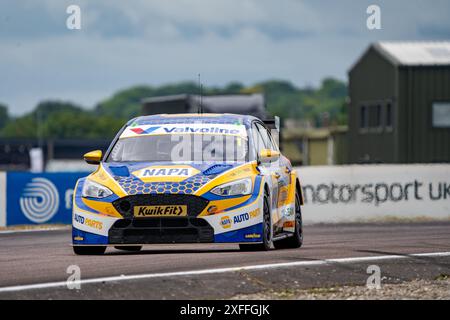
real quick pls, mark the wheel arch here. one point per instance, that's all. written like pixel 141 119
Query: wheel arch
pixel 298 188
pixel 266 189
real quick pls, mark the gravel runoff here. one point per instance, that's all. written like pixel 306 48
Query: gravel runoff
pixel 438 289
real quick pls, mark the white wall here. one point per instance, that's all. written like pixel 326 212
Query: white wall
pixel 375 192
pixel 2 199
pixel 64 165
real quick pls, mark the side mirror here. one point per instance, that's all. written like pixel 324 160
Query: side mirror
pixel 268 155
pixel 93 157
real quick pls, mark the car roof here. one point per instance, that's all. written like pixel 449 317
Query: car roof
pixel 222 118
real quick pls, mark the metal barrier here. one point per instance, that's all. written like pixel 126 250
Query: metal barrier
pixel 331 194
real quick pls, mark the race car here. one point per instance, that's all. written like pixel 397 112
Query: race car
pixel 188 178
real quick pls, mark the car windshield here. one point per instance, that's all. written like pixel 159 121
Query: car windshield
pixel 180 148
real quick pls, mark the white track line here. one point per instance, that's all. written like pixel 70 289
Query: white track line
pixel 33 230
pixel 222 270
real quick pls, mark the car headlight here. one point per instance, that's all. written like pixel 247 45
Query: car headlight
pixel 239 187
pixel 92 189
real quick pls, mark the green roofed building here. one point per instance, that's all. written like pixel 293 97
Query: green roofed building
pixel 400 104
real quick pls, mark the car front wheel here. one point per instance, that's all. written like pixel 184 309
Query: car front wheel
pixel 267 232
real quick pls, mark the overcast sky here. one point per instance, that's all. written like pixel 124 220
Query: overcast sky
pixel 125 43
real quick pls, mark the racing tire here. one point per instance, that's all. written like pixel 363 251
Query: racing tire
pixel 296 240
pixel 129 248
pixel 267 233
pixel 89 250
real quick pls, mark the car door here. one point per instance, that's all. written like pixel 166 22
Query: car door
pixel 273 173
pixel 284 183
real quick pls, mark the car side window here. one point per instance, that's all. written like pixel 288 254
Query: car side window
pixel 257 139
pixel 273 141
pixel 265 137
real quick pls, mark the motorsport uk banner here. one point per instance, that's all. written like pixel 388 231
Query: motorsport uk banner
pixel 331 194
pixel 375 192
pixel 27 198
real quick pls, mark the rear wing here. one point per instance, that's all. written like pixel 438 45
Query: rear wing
pixel 273 123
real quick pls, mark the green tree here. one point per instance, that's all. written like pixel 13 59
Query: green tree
pixel 233 88
pixel 49 107
pixel 333 88
pixel 125 103
pixel 23 127
pixel 4 116
pixel 60 119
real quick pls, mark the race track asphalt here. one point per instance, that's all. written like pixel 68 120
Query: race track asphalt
pixel 43 257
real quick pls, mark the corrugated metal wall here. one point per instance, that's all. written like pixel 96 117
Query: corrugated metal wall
pixel 372 79
pixel 412 91
pixel 419 87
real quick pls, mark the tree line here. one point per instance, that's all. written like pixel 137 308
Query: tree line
pixel 53 119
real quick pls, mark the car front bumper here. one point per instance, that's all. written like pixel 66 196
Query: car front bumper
pixel 94 226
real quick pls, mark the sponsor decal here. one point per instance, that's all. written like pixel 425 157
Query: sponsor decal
pixel 241 218
pixel 94 224
pixel 78 218
pixel 252 236
pixel 97 224
pixel 88 222
pixel 183 128
pixel 78 238
pixel 289 224
pixel 174 173
pixel 40 200
pixel 212 209
pixel 225 222
pixel 240 171
pixel 140 131
pixel 166 172
pixel 255 213
pixel 211 130
pixel 158 211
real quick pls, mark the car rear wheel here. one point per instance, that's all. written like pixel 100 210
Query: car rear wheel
pixel 129 248
pixel 267 233
pixel 296 240
pixel 89 250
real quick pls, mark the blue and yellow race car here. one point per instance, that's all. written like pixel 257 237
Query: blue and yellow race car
pixel 189 178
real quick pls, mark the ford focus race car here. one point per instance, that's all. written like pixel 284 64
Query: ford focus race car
pixel 189 178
